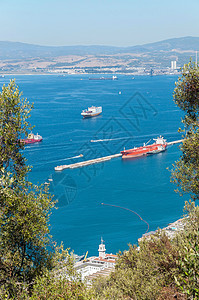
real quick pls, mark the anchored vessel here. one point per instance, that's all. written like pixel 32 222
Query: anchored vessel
pixel 92 111
pixel 160 145
pixel 32 138
pixel 104 78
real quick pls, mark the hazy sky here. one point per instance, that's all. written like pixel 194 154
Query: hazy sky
pixel 99 22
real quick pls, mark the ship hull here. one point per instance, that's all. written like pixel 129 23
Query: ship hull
pixel 141 151
pixel 103 78
pixel 91 115
pixel 133 155
pixel 30 141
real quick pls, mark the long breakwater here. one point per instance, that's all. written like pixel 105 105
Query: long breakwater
pixel 98 160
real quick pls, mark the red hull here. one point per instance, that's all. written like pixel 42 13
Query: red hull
pixel 145 150
pixel 30 141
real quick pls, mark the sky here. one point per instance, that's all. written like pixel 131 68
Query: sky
pixel 97 22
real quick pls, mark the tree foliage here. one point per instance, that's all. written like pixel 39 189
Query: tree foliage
pixel 188 264
pixel 186 93
pixel 26 247
pixel 24 235
pixel 159 269
pixel 185 173
pixel 14 115
pixel 52 287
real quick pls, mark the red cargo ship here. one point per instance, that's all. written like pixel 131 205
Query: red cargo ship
pixel 160 145
pixel 31 139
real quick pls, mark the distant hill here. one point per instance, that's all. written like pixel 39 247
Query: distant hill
pixel 17 50
pixel 10 50
pixel 183 44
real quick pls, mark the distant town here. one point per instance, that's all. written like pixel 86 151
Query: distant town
pixel 88 65
pixel 161 58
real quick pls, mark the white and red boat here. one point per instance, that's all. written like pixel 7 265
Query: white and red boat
pixel 160 145
pixel 92 111
pixel 32 138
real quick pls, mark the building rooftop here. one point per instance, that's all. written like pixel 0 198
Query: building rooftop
pixel 104 273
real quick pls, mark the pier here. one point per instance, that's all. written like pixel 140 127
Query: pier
pixel 174 142
pixel 98 160
pixel 87 162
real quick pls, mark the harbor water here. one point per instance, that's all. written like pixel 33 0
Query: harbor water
pixel 135 110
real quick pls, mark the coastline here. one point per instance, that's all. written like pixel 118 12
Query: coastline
pixel 3 75
pixel 170 230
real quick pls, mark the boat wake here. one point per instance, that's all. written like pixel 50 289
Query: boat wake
pixel 63 159
pixel 77 156
pixel 107 140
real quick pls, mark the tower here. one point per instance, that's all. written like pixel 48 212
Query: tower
pixel 102 249
pixel 173 65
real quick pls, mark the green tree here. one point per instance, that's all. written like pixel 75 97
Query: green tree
pixel 186 93
pixel 59 287
pixel 24 208
pixel 14 115
pixel 185 173
pixel 160 268
pixel 142 273
pixel 24 233
pixel 188 262
pixel 31 265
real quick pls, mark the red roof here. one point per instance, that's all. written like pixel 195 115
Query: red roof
pixel 104 259
pixel 111 255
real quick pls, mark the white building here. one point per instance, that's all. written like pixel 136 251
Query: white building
pixel 173 65
pixel 102 249
pixel 102 265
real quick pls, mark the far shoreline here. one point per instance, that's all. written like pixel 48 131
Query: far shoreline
pixel 3 75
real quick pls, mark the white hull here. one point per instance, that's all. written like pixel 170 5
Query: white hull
pixel 91 112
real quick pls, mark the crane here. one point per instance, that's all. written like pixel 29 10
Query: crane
pixel 85 257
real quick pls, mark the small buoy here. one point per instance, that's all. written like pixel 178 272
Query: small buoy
pixel 120 92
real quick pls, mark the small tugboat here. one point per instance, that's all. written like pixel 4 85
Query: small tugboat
pixel 160 145
pixel 32 138
pixel 92 111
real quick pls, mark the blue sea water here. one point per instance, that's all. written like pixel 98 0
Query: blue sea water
pixel 134 111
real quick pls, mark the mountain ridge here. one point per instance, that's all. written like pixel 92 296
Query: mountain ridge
pixel 17 50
